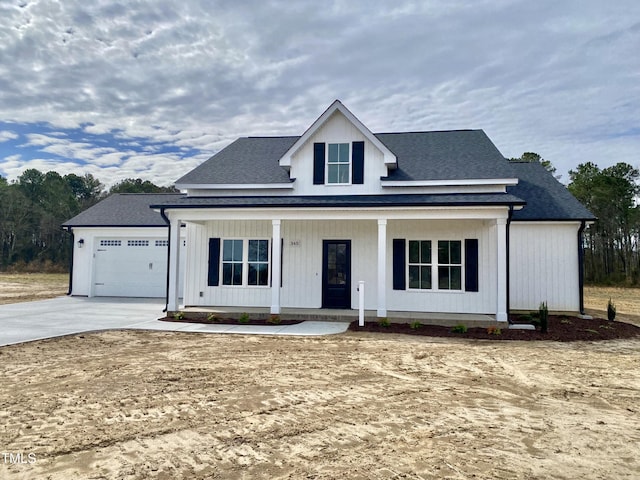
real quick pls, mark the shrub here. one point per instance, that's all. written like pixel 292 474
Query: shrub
pixel 611 311
pixel 274 320
pixel 415 325
pixel 384 322
pixel 494 331
pixel 212 317
pixel 544 317
pixel 459 329
pixel 178 315
pixel 244 318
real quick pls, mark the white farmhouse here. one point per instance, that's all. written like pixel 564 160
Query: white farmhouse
pixel 436 222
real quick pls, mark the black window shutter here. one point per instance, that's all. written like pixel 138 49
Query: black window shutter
pixel 214 262
pixel 357 163
pixel 399 263
pixel 318 163
pixel 471 265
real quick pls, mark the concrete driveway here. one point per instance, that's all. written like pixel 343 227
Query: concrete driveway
pixel 24 322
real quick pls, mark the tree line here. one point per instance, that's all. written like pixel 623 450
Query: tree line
pixel 33 207
pixel 612 243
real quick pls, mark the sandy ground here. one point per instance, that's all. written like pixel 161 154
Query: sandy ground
pixel 26 287
pixel 137 405
pixel 626 300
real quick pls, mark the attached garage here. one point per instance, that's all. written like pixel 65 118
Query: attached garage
pixel 120 248
pixel 130 264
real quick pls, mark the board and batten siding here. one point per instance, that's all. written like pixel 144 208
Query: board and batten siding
pixel 483 301
pixel 197 267
pixel 544 266
pixel 301 262
pixel 337 129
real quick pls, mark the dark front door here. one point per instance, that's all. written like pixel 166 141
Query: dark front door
pixel 336 274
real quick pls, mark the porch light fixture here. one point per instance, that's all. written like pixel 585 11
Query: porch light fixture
pixel 81 243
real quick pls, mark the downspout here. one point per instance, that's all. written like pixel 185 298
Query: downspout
pixel 581 265
pixel 168 222
pixel 70 231
pixel 509 217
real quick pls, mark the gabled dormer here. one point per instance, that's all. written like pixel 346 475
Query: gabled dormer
pixel 338 154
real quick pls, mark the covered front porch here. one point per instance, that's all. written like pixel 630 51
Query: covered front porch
pixel 299 268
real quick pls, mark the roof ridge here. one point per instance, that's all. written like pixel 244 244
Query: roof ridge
pixel 432 131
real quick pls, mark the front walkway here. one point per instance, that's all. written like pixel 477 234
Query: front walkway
pixel 29 321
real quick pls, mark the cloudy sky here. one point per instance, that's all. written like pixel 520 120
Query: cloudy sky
pixel 152 88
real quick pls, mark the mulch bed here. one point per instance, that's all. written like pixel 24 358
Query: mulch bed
pixel 561 329
pixel 228 321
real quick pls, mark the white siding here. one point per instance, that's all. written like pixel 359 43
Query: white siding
pixel 544 266
pixel 198 264
pixel 302 263
pixel 337 129
pixel 483 301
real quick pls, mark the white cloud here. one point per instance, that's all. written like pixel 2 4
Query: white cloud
pixel 6 135
pixel 559 78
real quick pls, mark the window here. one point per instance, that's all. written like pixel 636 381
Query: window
pixel 245 262
pixel 110 243
pixel 137 243
pixel 450 265
pixel 420 264
pixel 162 243
pixel 338 164
pixel 232 262
pixel 258 262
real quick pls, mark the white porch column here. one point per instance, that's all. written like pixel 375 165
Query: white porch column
pixel 501 294
pixel 382 268
pixel 276 274
pixel 174 266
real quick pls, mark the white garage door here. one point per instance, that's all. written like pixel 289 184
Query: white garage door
pixel 130 267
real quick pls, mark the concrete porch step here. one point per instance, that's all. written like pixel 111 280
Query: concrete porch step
pixel 347 316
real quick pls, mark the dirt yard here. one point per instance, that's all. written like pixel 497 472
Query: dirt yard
pixel 138 405
pixel 26 287
pixel 627 301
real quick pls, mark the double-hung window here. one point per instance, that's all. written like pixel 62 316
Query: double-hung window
pixel 338 163
pixel 449 265
pixel 258 260
pixel 232 253
pixel 245 262
pixel 420 264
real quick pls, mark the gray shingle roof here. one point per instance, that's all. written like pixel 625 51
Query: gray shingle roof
pixel 547 199
pixel 247 160
pixel 445 155
pixel 123 210
pixel 455 154
pixel 354 201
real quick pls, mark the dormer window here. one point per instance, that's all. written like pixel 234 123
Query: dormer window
pixel 338 163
